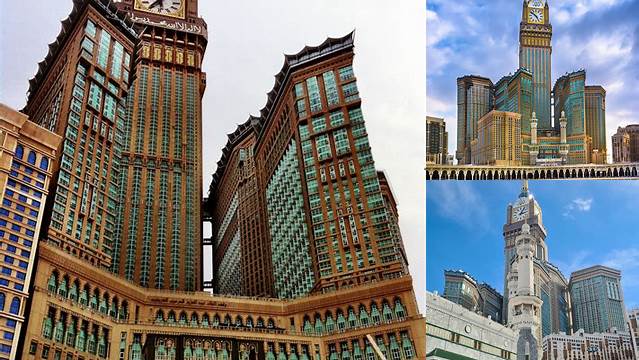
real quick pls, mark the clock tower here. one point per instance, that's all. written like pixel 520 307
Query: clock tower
pixel 535 50
pixel 158 230
pixel 524 210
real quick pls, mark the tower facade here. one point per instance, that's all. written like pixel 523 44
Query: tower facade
pixel 27 152
pixel 158 234
pixel 597 300
pixel 524 306
pixel 79 93
pixel 436 140
pixel 535 50
pixel 549 284
pixel 474 100
pixel 595 98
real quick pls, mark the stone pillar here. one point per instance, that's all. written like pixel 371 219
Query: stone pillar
pixel 563 147
pixel 534 147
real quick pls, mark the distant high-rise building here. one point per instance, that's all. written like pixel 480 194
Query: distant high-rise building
pixel 597 299
pixel 595 97
pixel 498 140
pixel 461 288
pixel 527 92
pixel 535 49
pixel 492 302
pixel 625 144
pixel 27 152
pixel 615 344
pixel 436 141
pixel 474 100
pixel 158 237
pixel 633 317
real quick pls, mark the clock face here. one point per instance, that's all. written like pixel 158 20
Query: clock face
pixel 536 16
pixel 173 8
pixel 520 213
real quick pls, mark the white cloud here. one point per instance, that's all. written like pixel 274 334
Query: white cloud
pixel 458 202
pixel 577 205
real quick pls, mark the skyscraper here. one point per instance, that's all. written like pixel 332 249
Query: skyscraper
pixel 96 45
pixel 474 100
pixel 27 152
pixel 498 140
pixel 322 213
pixel 535 49
pixel 625 144
pixel 597 299
pixel 436 140
pixel 461 288
pixel 595 98
pixel 158 237
pixel 241 264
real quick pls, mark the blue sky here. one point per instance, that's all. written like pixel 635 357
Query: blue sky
pixel 588 223
pixel 481 37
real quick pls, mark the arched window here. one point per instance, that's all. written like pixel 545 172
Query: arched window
pixel 32 158
pixel 19 151
pixel 15 306
pixel 44 163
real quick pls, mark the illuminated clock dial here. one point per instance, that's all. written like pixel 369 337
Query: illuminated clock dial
pixel 163 7
pixel 536 16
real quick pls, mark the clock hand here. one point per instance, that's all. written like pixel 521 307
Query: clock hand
pixel 156 3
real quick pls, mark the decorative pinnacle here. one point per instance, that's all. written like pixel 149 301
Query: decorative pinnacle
pixel 524 189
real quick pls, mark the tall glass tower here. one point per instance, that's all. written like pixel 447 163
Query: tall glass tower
pixel 158 232
pixel 535 50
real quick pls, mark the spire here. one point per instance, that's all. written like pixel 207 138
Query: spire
pixel 524 189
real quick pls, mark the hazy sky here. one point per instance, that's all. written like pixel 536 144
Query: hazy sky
pixel 247 43
pixel 588 223
pixel 481 37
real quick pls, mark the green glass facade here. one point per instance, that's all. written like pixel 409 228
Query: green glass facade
pixel 292 266
pixel 537 60
pixel 84 205
pixel 597 303
pixel 474 100
pixel 569 91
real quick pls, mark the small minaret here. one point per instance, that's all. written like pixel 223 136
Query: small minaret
pixel 563 147
pixel 534 148
pixel 524 306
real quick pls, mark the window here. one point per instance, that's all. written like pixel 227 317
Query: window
pixel 110 107
pixel 350 92
pixel 32 158
pixel 15 306
pixel 346 73
pixel 95 97
pixel 90 28
pixel 103 53
pixel 330 88
pixel 314 94
pixel 19 151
